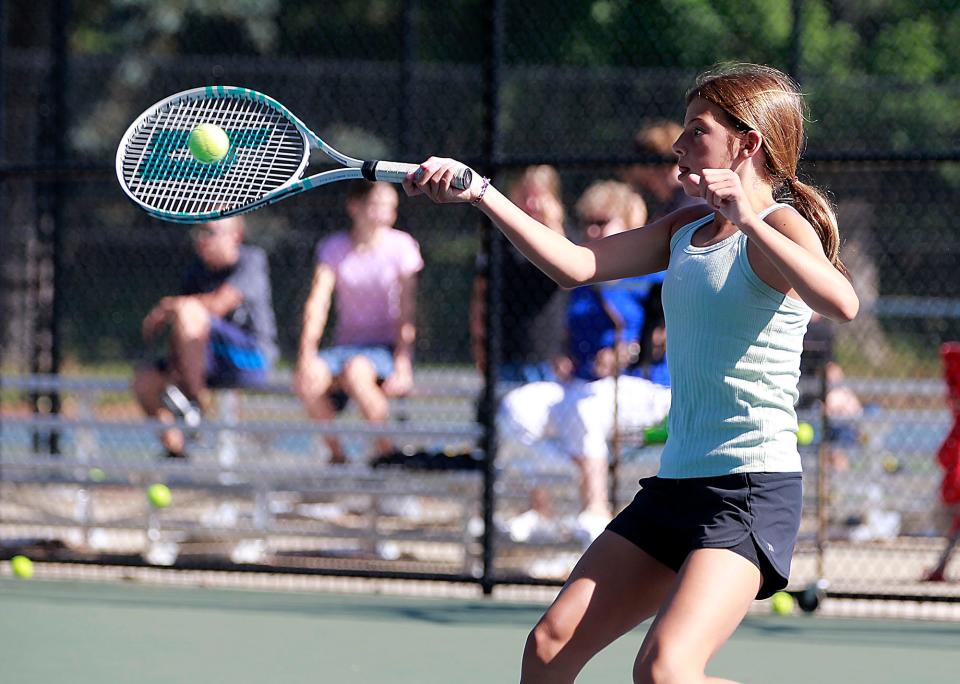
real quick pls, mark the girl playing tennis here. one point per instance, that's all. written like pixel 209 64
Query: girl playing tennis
pixel 717 526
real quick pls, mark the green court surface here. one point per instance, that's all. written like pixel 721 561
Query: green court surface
pixel 78 632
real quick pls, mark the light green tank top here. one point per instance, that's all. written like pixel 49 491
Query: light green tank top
pixel 733 348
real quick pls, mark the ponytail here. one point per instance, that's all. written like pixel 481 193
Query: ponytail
pixel 814 206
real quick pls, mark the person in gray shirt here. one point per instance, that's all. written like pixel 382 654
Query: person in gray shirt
pixel 222 330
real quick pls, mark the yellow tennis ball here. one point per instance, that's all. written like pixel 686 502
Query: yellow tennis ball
pixel 782 603
pixel 208 143
pixel 804 434
pixel 159 495
pixel 97 474
pixel 22 566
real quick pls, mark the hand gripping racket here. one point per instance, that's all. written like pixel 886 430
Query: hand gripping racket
pixel 268 153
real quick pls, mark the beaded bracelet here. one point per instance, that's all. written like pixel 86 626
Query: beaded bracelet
pixel 483 191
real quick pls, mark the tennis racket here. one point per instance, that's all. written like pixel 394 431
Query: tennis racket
pixel 268 153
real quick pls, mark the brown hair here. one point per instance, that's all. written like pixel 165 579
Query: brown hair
pixel 764 99
pixel 614 198
pixel 542 175
pixel 360 189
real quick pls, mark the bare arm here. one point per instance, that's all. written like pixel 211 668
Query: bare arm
pixel 634 252
pixel 401 381
pixel 316 311
pixel 788 256
pixel 220 302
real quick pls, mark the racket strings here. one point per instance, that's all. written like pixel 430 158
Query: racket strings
pixel 266 151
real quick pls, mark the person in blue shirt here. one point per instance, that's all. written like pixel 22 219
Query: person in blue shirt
pixel 716 528
pixel 222 330
pixel 573 417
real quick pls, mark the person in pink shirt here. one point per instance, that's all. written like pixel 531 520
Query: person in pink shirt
pixel 369 273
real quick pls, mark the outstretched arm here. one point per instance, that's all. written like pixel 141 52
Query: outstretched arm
pixel 625 254
pixel 220 302
pixel 400 381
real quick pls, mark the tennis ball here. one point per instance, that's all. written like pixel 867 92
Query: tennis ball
pixel 22 566
pixel 782 603
pixel 208 143
pixel 804 434
pixel 159 495
pixel 97 474
pixel 891 464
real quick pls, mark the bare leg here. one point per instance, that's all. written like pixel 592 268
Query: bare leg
pixel 712 594
pixel 148 386
pixel 359 381
pixel 314 392
pixel 613 588
pixel 953 538
pixel 189 335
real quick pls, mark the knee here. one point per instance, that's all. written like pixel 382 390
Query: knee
pixel 358 375
pixel 191 318
pixel 545 642
pixel 658 666
pixel 313 384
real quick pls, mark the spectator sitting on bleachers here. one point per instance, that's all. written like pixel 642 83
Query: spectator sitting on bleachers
pixel 573 416
pixel 369 273
pixel 531 304
pixel 222 329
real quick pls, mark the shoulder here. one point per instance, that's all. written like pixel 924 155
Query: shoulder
pixel 333 245
pixel 402 238
pixel 787 220
pixel 341 237
pixel 253 254
pixel 679 219
pixel 404 251
pixel 686 215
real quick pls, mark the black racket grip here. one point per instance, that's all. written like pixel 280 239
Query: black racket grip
pixel 395 172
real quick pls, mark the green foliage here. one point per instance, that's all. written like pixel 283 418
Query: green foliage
pixel 909 50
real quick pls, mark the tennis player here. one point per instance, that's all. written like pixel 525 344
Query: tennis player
pixel 717 526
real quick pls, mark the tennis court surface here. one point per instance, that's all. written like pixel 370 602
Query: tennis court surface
pixel 104 632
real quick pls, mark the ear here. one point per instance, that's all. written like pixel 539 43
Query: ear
pixel 752 143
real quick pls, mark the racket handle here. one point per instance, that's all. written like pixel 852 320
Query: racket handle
pixel 395 172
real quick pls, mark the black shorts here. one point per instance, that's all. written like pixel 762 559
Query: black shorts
pixel 756 515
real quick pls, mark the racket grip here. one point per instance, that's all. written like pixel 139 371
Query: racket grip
pixel 395 172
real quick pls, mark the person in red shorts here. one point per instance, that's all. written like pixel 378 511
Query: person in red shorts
pixel 949 458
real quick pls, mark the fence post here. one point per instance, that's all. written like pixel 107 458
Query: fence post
pixel 493 243
pixel 48 285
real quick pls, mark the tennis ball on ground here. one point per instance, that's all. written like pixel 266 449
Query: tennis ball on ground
pixel 208 143
pixel 159 495
pixel 891 464
pixel 804 434
pixel 782 603
pixel 97 474
pixel 22 566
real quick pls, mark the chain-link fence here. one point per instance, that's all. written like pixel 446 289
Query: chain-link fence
pixel 502 86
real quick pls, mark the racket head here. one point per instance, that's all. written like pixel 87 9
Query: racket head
pixel 268 153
